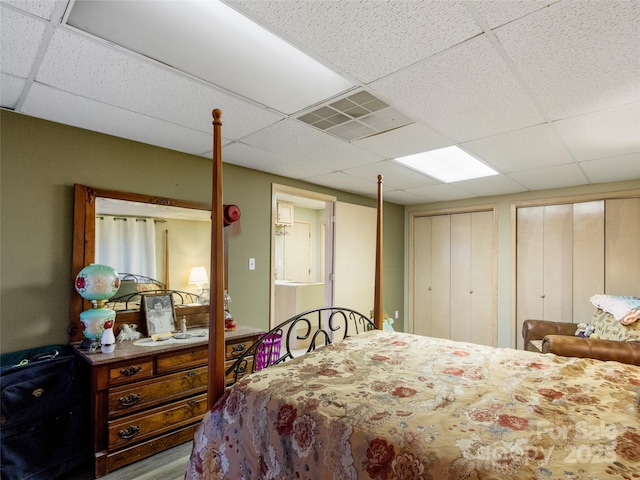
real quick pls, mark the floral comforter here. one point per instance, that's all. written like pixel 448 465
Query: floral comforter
pixel 384 405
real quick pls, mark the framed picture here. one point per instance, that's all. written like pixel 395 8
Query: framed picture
pixel 159 313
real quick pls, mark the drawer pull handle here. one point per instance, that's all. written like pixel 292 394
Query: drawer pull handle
pixel 129 400
pixel 238 348
pixel 130 432
pixel 192 403
pixel 191 374
pixel 130 371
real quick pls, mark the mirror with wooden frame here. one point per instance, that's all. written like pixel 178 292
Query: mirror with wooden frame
pixel 84 245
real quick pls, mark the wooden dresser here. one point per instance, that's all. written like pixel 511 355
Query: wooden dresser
pixel 146 399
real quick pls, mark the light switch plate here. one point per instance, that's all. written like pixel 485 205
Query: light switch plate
pixel 252 264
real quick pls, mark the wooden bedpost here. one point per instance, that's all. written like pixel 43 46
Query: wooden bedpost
pixel 216 284
pixel 377 298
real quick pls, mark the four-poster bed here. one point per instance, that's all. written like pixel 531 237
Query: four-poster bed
pixel 389 405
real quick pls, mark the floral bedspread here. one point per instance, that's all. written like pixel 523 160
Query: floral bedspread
pixel 385 405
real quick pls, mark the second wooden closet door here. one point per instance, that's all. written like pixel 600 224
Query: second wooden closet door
pixel 453 277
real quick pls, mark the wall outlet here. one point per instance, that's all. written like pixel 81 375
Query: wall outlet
pixel 252 264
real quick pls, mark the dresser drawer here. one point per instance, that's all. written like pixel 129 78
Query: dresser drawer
pixel 151 423
pixel 126 372
pixel 149 393
pixel 176 361
pixel 234 350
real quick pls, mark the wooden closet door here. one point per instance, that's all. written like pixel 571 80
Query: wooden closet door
pixel 431 286
pixel 453 283
pixel 622 246
pixel 558 263
pixel 461 277
pixel 588 257
pixel 529 271
pixel 483 311
pixel 472 282
pixel 441 276
pixel 544 259
pixel 422 278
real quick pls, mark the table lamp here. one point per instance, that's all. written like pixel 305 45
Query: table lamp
pixel 96 283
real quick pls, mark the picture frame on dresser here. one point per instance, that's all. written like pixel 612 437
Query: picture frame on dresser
pixel 159 313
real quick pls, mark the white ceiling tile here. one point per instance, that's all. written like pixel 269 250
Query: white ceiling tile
pixel 20 38
pixel 250 157
pixel 342 181
pixel 403 198
pixel 400 142
pixel 614 169
pixel 10 90
pixel 520 149
pixel 493 185
pixel 559 176
pixel 395 176
pixel 440 193
pixel 499 12
pixel 466 93
pixel 40 8
pixel 367 40
pixel 578 57
pixel 76 64
pixel 45 102
pixel 297 140
pixel 607 133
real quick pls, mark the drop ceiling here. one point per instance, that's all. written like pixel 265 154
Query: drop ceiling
pixel 545 92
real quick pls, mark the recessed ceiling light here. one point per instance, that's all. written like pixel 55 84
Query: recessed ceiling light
pixel 212 41
pixel 449 164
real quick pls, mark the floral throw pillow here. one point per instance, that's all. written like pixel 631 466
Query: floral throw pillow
pixel 608 328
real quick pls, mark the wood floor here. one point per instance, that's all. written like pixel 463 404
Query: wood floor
pixel 168 465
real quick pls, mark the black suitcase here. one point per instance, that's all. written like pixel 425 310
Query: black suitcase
pixel 43 432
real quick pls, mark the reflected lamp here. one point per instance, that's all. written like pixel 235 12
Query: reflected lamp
pixel 198 277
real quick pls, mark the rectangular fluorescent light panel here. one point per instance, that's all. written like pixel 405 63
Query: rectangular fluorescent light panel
pixel 212 41
pixel 449 164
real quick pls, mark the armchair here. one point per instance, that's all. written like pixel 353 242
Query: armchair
pixel 621 343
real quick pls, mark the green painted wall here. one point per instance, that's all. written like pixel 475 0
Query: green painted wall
pixel 40 162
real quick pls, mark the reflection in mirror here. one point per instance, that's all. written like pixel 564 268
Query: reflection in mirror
pixel 178 240
pixel 157 241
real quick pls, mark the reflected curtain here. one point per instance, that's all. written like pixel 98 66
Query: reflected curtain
pixel 127 244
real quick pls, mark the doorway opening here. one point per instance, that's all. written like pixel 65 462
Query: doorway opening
pixel 302 251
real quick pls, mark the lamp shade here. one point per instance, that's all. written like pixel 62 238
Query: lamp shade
pixel 198 276
pixel 97 282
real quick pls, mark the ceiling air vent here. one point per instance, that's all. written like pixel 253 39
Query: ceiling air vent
pixel 356 116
